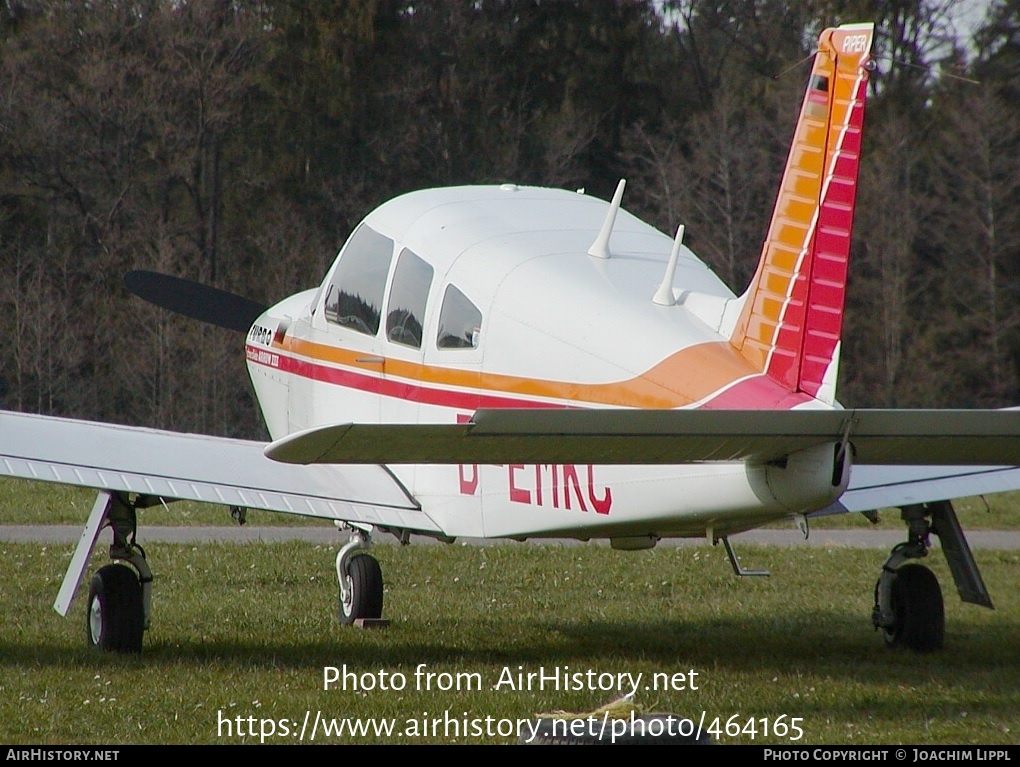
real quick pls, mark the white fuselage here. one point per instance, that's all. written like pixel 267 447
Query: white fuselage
pixel 498 304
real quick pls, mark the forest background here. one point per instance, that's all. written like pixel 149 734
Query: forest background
pixel 238 143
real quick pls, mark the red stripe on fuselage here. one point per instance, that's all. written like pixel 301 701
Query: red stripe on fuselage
pixel 398 388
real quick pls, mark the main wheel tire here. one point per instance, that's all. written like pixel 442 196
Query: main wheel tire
pixel 114 617
pixel 364 588
pixel 920 623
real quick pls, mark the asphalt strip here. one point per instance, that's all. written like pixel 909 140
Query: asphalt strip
pixel 1008 540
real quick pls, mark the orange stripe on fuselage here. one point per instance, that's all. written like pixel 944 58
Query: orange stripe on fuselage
pixel 682 379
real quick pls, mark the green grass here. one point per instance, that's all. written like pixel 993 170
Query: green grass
pixel 246 630
pixel 46 503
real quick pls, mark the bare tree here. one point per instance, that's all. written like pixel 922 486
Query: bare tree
pixel 979 181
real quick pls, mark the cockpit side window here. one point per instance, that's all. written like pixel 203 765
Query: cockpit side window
pixel 406 311
pixel 355 293
pixel 460 322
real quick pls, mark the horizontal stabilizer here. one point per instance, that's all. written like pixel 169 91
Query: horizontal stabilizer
pixel 894 437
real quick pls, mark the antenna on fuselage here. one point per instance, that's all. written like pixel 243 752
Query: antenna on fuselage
pixel 600 248
pixel 664 295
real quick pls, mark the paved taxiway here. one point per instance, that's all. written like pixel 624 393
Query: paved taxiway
pixel 861 539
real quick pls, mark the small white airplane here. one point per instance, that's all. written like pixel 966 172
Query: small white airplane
pixel 517 362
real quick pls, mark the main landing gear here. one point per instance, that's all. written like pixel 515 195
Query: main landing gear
pixel 908 600
pixel 120 593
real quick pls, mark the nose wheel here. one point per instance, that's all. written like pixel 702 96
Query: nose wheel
pixel 361 581
pixel 363 596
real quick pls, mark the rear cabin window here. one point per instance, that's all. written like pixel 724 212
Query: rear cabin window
pixel 406 311
pixel 355 293
pixel 460 322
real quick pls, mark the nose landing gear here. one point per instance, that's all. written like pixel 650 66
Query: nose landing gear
pixel 361 582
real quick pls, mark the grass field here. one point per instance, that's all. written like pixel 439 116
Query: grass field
pixel 44 503
pixel 247 630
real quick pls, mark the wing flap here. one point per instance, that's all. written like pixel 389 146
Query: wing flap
pixel 199 468
pixel 885 437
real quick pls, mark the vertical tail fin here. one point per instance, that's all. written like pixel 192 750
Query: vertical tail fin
pixel 792 315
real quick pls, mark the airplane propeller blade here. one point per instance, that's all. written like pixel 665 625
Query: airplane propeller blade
pixel 192 299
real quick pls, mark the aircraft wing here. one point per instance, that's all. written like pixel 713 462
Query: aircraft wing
pixel 218 470
pixel 956 453
pixel 612 436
